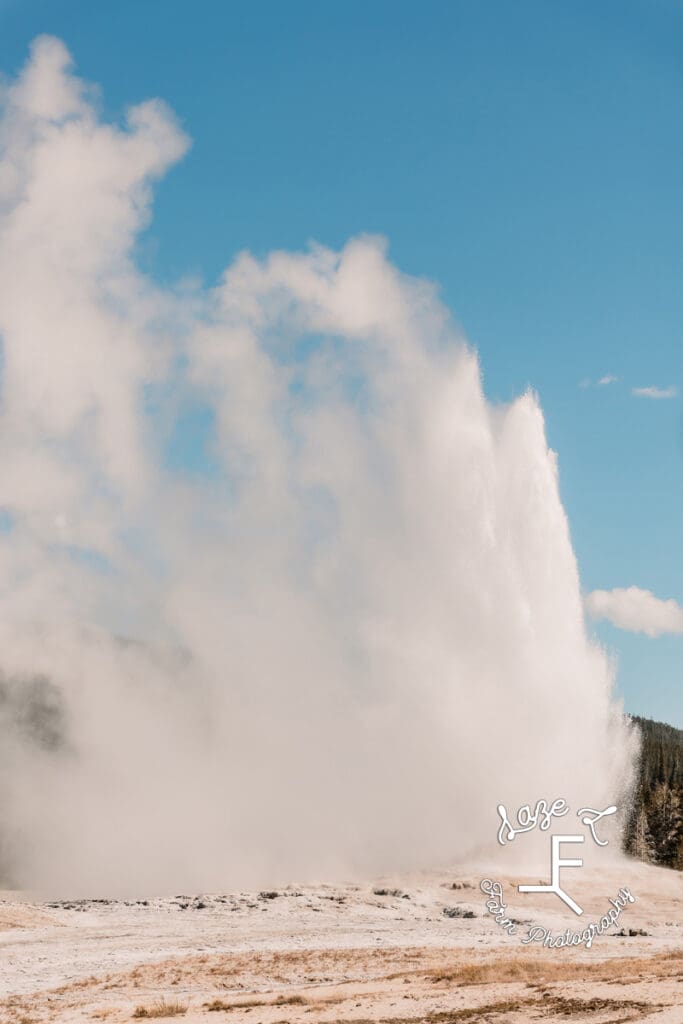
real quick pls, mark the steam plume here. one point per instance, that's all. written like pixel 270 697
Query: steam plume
pixel 330 636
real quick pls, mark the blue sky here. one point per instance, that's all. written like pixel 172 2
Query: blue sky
pixel 526 156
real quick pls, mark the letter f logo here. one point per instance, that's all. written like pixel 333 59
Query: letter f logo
pixel 557 862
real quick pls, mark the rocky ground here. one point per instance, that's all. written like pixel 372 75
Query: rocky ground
pixel 413 949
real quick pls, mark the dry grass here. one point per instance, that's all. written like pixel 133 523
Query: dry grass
pixel 161 1009
pixel 471 1014
pixel 556 1006
pixel 250 1004
pixel 309 982
pixel 219 1005
pixel 537 970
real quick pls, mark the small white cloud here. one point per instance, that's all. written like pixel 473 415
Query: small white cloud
pixel 609 378
pixel 636 610
pixel 654 392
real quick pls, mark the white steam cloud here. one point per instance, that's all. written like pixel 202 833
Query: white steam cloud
pixel 330 638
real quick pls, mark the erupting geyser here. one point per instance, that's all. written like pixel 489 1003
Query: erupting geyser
pixel 329 632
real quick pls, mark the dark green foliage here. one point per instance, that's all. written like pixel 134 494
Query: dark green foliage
pixel 32 708
pixel 655 829
pixel 33 722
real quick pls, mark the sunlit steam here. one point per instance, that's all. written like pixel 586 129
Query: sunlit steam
pixel 282 595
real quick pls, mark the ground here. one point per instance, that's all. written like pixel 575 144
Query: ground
pixel 397 950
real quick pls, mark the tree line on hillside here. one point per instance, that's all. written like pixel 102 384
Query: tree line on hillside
pixel 654 831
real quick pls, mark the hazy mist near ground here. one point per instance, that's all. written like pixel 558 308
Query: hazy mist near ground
pixel 352 614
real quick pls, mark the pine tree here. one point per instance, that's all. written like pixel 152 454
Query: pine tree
pixel 665 819
pixel 640 840
pixel 678 863
pixel 655 827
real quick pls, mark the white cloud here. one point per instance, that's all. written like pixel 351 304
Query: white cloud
pixel 609 378
pixel 636 610
pixel 655 392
